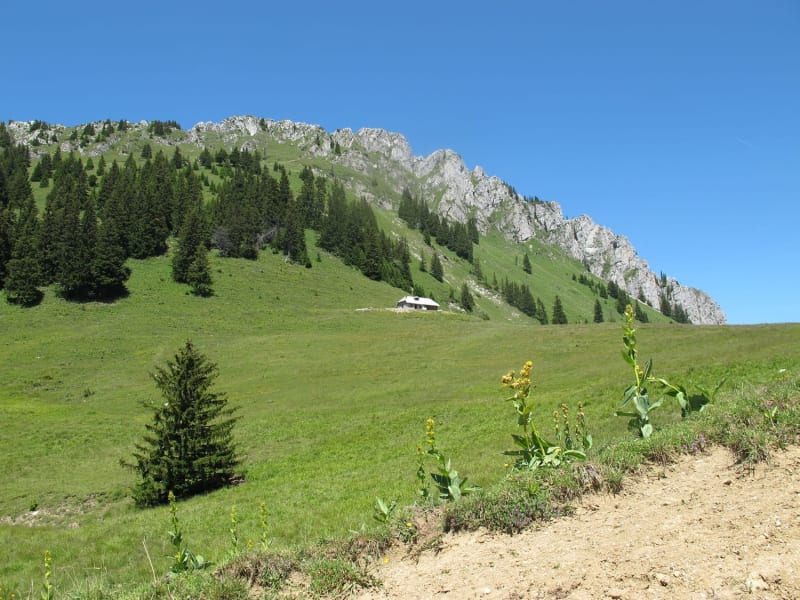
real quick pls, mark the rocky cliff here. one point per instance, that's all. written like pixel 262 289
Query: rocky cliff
pixel 458 193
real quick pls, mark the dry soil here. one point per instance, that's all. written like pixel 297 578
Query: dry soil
pixel 700 528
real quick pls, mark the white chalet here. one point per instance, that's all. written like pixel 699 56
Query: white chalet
pixel 417 303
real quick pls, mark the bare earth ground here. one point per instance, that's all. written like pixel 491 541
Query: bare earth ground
pixel 700 528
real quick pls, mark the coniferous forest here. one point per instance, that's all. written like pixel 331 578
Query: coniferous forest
pixel 97 216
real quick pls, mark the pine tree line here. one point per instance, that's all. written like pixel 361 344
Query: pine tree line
pixel 350 231
pixel 458 237
pixel 520 296
pixel 86 233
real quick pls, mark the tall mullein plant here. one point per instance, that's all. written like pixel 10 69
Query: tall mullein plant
pixel 636 394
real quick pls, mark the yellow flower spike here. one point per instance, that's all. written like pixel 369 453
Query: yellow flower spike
pixel 629 316
pixel 526 370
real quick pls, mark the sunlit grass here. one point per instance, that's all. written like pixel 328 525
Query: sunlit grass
pixel 332 402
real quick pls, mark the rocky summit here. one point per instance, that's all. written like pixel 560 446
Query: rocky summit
pixel 457 193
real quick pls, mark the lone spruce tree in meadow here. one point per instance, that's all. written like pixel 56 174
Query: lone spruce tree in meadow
pixel 188 448
pixel 526 264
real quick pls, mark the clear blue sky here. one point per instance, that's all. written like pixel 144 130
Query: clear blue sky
pixel 676 124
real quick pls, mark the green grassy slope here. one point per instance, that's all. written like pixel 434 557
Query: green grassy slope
pixel 332 402
pixel 552 274
pixel 332 389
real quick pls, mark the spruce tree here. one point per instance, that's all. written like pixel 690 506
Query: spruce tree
pixel 199 274
pixel 639 313
pixel 541 313
pixel 598 312
pixel 467 302
pixel 526 263
pixel 373 255
pixel 476 269
pixel 109 270
pixel 74 272
pixel 664 306
pixel 21 287
pixel 6 241
pixel 188 447
pixel 190 240
pixel 23 275
pixel 559 316
pixel 436 268
pixel 294 237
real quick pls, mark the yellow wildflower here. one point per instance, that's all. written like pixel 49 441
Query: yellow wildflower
pixel 526 370
pixel 629 316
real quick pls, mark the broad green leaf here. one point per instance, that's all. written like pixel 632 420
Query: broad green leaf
pixel 628 358
pixel 647 368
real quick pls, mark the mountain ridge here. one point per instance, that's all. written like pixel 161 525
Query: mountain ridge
pixel 451 189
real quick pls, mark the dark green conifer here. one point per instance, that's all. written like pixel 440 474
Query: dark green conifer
pixel 23 277
pixel 191 238
pixel 188 448
pixel 76 277
pixel 109 270
pixel 559 316
pixel 199 273
pixel 526 263
pixel 467 301
pixel 541 313
pixel 476 269
pixel 598 312
pixel 436 268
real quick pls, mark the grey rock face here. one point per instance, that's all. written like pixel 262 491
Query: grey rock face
pixel 459 193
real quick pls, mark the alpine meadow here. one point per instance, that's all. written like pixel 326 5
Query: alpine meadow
pixel 251 269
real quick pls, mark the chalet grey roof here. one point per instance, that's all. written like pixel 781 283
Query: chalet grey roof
pixel 418 301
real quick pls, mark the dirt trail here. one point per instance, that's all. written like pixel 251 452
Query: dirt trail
pixel 697 529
